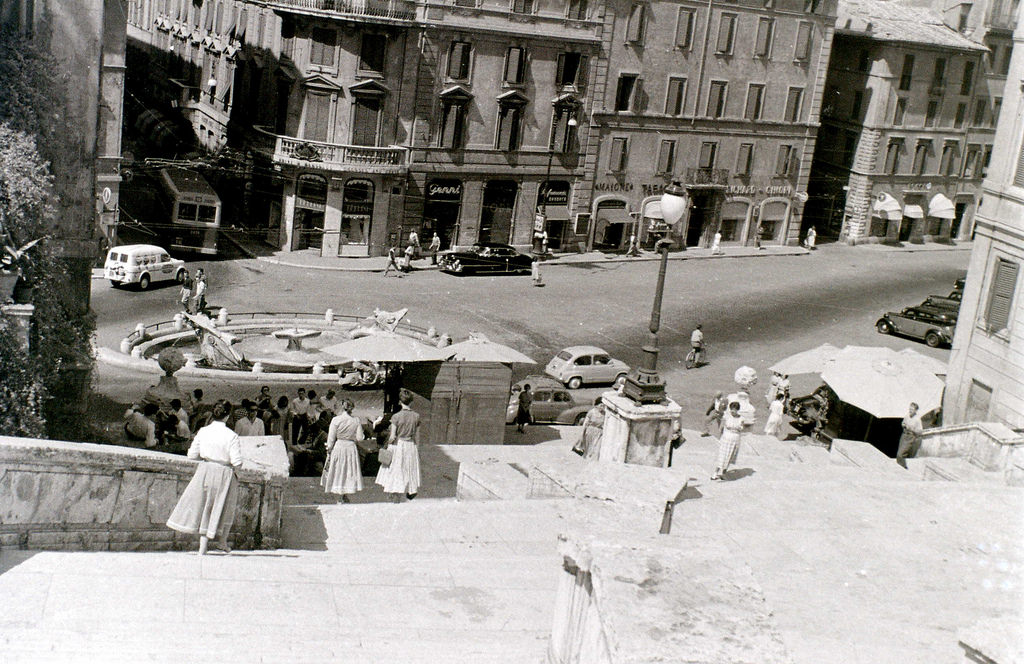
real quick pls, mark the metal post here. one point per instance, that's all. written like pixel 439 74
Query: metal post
pixel 538 235
pixel 645 385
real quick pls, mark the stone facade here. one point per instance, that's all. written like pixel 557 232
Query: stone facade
pixel 81 496
pixel 986 376
pixel 905 143
pixel 722 97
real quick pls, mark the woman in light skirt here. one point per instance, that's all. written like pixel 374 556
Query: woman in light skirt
pixel 207 506
pixel 403 474
pixel 342 474
pixel 729 447
pixel 774 423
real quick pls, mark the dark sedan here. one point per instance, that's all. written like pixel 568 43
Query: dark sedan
pixel 935 326
pixel 483 257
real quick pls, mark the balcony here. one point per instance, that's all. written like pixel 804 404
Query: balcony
pixel 328 156
pixel 396 10
pixel 707 177
pixel 186 96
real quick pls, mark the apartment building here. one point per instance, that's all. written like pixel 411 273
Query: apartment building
pixel 986 377
pixel 907 127
pixel 722 97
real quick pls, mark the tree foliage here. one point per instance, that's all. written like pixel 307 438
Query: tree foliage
pixel 37 386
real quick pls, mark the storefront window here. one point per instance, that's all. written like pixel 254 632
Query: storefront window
pixel 496 215
pixel 734 217
pixel 773 220
pixel 553 203
pixel 878 226
pixel 441 209
pixel 310 204
pixel 356 213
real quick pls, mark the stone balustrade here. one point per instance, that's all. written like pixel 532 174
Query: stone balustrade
pixel 83 496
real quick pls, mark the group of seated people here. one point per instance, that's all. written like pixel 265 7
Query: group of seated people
pixel 303 424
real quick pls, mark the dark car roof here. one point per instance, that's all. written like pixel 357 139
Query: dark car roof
pixel 940 315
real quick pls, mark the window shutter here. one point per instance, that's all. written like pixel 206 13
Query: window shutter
pixel 782 163
pixel 618 156
pixel 1004 282
pixel 1018 177
pixel 684 28
pixel 803 42
pixel 513 64
pixel 663 157
pixel 636 101
pixel 743 161
pixel 318 109
pixel 364 121
pixel 764 37
pixel 725 28
pixel 635 31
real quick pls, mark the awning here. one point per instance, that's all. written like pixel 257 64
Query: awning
pixel 886 207
pixel 913 212
pixel 941 207
pixel 653 210
pixel 613 216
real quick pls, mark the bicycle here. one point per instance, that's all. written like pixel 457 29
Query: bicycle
pixel 691 357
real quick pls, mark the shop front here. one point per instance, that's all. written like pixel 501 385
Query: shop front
pixel 442 206
pixel 613 224
pixel 357 203
pixel 553 206
pixel 735 222
pixel 917 213
pixel 497 211
pixel 307 223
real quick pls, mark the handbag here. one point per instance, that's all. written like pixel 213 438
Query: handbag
pixel 385 456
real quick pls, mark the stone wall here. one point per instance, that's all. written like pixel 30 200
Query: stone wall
pixel 82 496
pixel 990 446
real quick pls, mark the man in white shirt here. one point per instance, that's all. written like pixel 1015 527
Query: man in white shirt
pixel 141 424
pixel 329 403
pixel 911 437
pixel 251 424
pixel 697 342
pixel 299 410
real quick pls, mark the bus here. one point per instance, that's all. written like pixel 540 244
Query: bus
pixel 195 211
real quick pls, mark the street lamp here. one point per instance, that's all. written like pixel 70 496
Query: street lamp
pixel 645 385
pixel 540 224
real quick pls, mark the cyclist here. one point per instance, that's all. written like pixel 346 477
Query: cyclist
pixel 697 342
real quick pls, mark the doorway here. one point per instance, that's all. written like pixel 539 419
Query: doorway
pixel 496 216
pixel 958 216
pixel 701 217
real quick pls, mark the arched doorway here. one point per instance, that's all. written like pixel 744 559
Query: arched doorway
pixel 356 217
pixel 310 204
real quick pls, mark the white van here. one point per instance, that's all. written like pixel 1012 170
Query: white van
pixel 141 264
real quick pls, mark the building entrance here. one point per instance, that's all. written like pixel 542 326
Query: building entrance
pixel 702 219
pixel 496 215
pixel 441 209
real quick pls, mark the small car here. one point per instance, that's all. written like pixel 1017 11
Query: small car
pixel 142 264
pixel 576 365
pixel 483 257
pixel 551 402
pixel 932 325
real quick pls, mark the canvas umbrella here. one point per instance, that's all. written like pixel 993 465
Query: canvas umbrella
pixel 882 386
pixel 478 348
pixel 387 347
pixel 937 367
pixel 809 361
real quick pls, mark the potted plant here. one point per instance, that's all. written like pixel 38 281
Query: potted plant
pixel 15 270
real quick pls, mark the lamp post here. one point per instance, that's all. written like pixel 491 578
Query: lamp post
pixel 645 385
pixel 540 223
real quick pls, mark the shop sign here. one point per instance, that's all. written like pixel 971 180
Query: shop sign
pixel 445 190
pixel 778 190
pixel 917 186
pixel 740 190
pixel 652 188
pixel 613 186
pixel 557 197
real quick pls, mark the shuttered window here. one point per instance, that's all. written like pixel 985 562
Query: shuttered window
pixel 803 42
pixel 318 111
pixel 755 101
pixel 617 159
pixel 793 102
pixel 509 120
pixel 745 159
pixel 322 46
pixel 667 157
pixel 365 119
pixel 458 60
pixel 514 59
pixel 372 52
pixel 763 45
pixel 1004 282
pixel 717 92
pixel 726 33
pixel 684 28
pixel 708 151
pixel 635 29
pixel 1018 177
pixel 453 118
pixel 674 98
pixel 785 158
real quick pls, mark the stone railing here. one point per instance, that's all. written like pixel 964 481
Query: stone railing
pixel 990 446
pixel 329 156
pixel 82 496
pixel 400 10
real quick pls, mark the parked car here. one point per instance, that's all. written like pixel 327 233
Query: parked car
pixel 929 324
pixel 141 264
pixel 551 402
pixel 490 257
pixel 939 302
pixel 576 365
pixel 956 294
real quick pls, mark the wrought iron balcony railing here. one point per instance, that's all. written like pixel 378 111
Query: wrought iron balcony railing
pixel 713 177
pixel 401 10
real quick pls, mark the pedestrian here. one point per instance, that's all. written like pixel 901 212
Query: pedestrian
pixel 713 415
pixel 716 244
pixel 298 411
pixel 435 246
pixel 414 242
pixel 523 415
pixel 910 439
pixel 251 424
pixel 393 262
pixel 535 272
pixel 407 258
pixel 199 292
pixel 263 399
pixel 207 506
pixel 544 242
pixel 784 388
pixel 329 403
pixel 774 423
pixel 729 445
pixel 140 424
pixel 186 292
pixel 342 472
pixel 812 236
pixel 402 474
pixel 178 410
pixel 773 387
pixel 589 445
